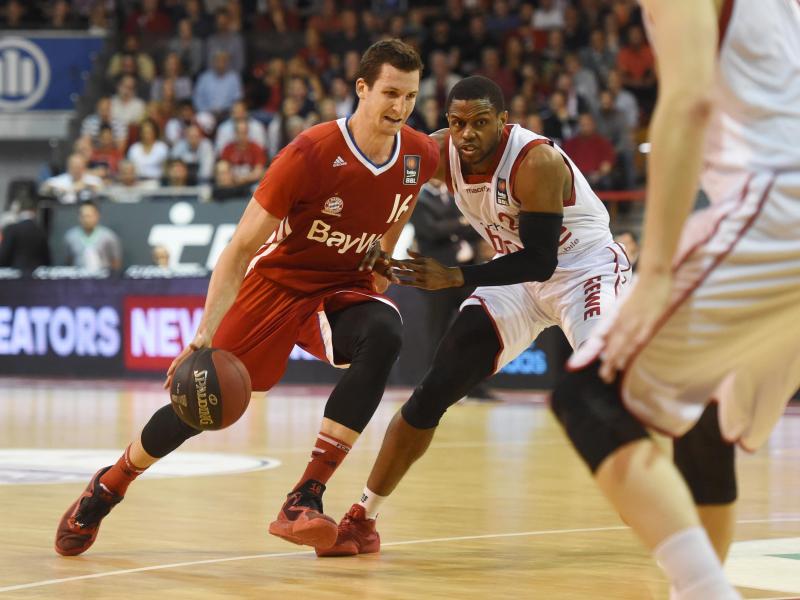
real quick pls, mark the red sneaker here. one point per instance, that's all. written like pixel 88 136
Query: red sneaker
pixel 301 520
pixel 78 527
pixel 357 535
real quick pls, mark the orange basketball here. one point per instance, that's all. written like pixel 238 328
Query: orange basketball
pixel 210 389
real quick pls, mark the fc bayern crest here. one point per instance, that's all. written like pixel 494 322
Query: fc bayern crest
pixel 501 195
pixel 333 206
pixel 411 169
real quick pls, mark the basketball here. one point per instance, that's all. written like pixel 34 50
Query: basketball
pixel 210 389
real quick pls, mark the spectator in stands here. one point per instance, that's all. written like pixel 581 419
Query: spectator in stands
pixel 611 31
pixel 128 187
pixel 441 80
pixel 637 67
pixel 575 29
pixel 246 158
pixel 188 47
pixel 197 153
pixel 24 244
pixel 349 37
pixel 315 55
pixel 440 39
pixel 558 124
pixel 90 245
pixel 518 110
pixel 342 95
pixel 596 56
pixel 62 17
pixel 551 56
pixel 93 123
pixel 74 185
pixel 298 89
pixel 177 174
pixel 592 153
pixel 583 80
pixel 277 135
pixel 226 130
pixel 145 66
pixel 149 154
pixel 431 116
pixel 106 153
pixel 160 256
pixel 129 66
pixel 267 90
pixel 226 39
pixel 548 15
pixel 534 123
pixel 326 111
pixel 172 71
pixel 126 107
pixel 98 20
pixel 225 187
pixel 576 103
pixel 15 16
pixel 623 99
pixel 195 12
pixel 494 70
pixel 612 124
pixel 502 19
pixel 326 20
pixel 218 87
pixel 630 241
pixel 477 39
pixel 148 19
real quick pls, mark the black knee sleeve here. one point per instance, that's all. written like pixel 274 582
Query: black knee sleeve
pixel 593 416
pixel 368 336
pixel 465 357
pixel 164 432
pixel 707 461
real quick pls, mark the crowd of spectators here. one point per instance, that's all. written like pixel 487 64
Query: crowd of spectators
pixel 208 92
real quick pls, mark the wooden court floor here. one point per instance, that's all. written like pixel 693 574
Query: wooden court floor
pixel 498 508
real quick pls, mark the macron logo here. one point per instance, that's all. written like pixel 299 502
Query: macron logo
pixel 339 162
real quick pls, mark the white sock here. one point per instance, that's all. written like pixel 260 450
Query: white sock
pixel 371 502
pixel 692 567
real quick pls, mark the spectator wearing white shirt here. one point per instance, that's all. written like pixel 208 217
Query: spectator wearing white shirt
pixel 74 185
pixel 549 15
pixel 218 88
pixel 226 131
pixel 125 105
pixel 149 154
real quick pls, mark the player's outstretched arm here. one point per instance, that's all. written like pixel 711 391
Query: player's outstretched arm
pixel 254 228
pixel 685 36
pixel 542 185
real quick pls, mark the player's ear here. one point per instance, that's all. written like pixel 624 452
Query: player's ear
pixel 503 118
pixel 361 88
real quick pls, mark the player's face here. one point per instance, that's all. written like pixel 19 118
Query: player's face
pixel 475 128
pixel 390 100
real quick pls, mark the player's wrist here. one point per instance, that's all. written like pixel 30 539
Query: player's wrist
pixel 455 277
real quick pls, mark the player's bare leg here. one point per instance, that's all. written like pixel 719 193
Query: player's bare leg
pixel 402 446
pixel 719 522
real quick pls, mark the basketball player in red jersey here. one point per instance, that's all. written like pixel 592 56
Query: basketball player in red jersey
pixel 337 189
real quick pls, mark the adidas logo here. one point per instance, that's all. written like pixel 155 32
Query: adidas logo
pixel 339 162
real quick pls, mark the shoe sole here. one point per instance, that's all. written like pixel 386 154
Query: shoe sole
pixel 64 532
pixel 319 533
pixel 344 551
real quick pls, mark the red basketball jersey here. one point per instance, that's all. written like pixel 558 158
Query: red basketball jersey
pixel 334 203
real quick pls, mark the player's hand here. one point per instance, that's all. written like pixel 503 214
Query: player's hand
pixel 635 322
pixel 377 261
pixel 379 283
pixel 426 273
pixel 199 341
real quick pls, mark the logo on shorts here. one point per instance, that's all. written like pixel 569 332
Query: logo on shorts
pixel 333 206
pixel 411 169
pixel 501 195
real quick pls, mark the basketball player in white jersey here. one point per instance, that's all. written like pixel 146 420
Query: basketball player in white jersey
pixel 556 264
pixel 706 345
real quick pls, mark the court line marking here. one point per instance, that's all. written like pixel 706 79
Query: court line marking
pixel 543 532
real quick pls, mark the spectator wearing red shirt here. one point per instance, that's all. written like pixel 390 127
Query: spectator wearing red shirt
pixel 592 153
pixel 246 158
pixel 637 66
pixel 150 19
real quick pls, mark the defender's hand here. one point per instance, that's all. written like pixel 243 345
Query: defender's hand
pixel 199 341
pixel 426 273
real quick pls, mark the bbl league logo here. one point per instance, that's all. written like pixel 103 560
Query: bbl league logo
pixel 501 195
pixel 411 169
pixel 25 74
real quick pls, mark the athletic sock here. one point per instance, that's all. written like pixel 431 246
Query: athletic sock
pixel 326 456
pixel 119 477
pixel 371 502
pixel 692 567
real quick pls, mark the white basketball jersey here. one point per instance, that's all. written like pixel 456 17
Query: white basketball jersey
pixel 491 208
